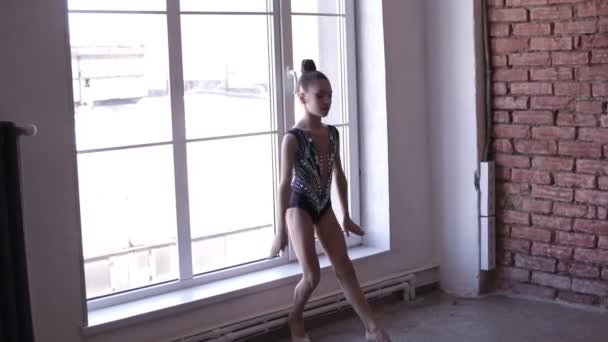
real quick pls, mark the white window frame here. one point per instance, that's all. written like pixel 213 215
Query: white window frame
pixel 282 84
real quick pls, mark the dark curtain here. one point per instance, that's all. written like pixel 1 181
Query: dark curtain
pixel 15 312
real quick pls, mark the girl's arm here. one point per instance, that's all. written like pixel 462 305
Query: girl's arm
pixel 347 224
pixel 288 150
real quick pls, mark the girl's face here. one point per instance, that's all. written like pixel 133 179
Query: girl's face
pixel 317 98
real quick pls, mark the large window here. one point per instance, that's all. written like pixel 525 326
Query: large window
pixel 180 108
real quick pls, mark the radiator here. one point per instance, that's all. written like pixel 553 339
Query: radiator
pixel 403 284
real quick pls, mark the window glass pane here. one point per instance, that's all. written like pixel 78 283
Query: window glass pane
pixel 118 5
pixel 127 207
pixel 318 38
pixel 226 5
pixel 231 200
pixel 318 6
pixel 226 75
pixel 121 79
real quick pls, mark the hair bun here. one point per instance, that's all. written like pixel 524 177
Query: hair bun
pixel 308 65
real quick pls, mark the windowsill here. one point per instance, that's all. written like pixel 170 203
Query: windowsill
pixel 154 307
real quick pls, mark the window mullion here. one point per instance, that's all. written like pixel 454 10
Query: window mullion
pixel 350 73
pixel 176 77
pixel 283 8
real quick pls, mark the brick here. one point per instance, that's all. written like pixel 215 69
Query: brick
pixel 503 188
pixel 499 30
pixel 535 263
pixel 551 280
pixel 553 193
pixel 577 298
pixel 532 234
pixel 519 3
pixel 594 227
pixel 570 180
pixel 550 13
pixel 533 117
pixel 592 9
pixel 508 160
pixel 580 120
pixel 592 197
pixel 600 89
pixel 530 176
pixel 575 27
pixel 530 59
pixel 595 167
pixel 531 88
pixel 572 89
pixel 589 107
pixel 496 3
pixel 602 183
pixel 603 243
pixel 602 213
pixel 584 271
pixel 502 145
pixel 499 88
pixel 593 287
pixel 603 25
pixel 553 222
pixel 502 173
pixel 580 149
pixel 507 102
pixel 506 45
pixel 531 29
pixel 550 44
pixel 535 146
pixel 593 134
pixel 499 61
pixel 551 2
pixel 551 251
pixel 512 216
pixel 516 274
pixel 594 256
pixel 599 56
pixel 551 74
pixel 550 102
pixel 535 206
pixel 533 290
pixel 575 239
pixel 504 258
pixel 515 245
pixel 569 58
pixel 594 41
pixel 501 117
pixel 552 133
pixel 605 273
pixel 591 213
pixel 552 164
pixel 604 122
pixel 570 210
pixel 592 73
pixel 510 75
pixel 508 14
pixel 511 131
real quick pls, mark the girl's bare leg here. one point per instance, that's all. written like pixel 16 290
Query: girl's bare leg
pixel 302 237
pixel 334 244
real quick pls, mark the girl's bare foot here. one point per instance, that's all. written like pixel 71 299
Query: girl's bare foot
pixel 377 336
pixel 296 328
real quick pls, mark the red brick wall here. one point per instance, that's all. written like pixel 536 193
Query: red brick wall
pixel 550 143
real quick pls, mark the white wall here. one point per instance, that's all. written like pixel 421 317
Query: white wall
pixel 35 88
pixel 453 111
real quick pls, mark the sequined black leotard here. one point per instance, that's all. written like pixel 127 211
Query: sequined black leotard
pixel 307 189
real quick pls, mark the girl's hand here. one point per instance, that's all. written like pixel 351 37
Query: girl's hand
pixel 351 227
pixel 279 243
